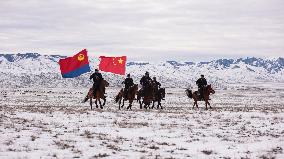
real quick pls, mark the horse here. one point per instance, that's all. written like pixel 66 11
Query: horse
pixel 206 93
pixel 130 96
pixel 100 94
pixel 147 95
pixel 158 96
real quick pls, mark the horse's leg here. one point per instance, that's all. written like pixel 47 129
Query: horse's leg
pixel 196 103
pixel 140 103
pixel 119 102
pixel 122 103
pixel 206 101
pixel 96 101
pixel 209 105
pixel 91 103
pixel 104 103
pixel 159 104
pixel 101 106
pixel 130 102
pixel 119 105
pixel 145 104
pixel 148 104
pixel 154 105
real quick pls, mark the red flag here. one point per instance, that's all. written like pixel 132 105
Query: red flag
pixel 75 66
pixel 113 64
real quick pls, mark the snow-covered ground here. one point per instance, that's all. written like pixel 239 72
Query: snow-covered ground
pixel 247 121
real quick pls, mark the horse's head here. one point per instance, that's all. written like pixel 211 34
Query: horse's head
pixel 134 88
pixel 105 83
pixel 163 92
pixel 210 89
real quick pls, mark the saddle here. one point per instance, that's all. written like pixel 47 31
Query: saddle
pixel 200 97
pixel 125 92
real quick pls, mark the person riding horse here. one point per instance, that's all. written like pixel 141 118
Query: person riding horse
pixel 97 78
pixel 201 83
pixel 128 83
pixel 156 85
pixel 145 81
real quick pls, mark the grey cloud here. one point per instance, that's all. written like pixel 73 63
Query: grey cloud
pixel 146 28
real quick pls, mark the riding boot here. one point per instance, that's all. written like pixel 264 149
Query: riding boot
pixel 94 92
pixel 125 94
pixel 199 94
pixel 143 92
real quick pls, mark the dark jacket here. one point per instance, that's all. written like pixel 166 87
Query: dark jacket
pixel 157 84
pixel 145 80
pixel 128 82
pixel 201 82
pixel 97 77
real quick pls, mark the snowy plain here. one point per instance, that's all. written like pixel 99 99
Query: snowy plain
pixel 247 121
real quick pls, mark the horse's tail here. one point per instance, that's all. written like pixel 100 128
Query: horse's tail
pixel 85 99
pixel 188 93
pixel 117 97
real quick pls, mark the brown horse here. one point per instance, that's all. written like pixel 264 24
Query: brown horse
pixel 100 94
pixel 158 96
pixel 206 93
pixel 147 95
pixel 130 96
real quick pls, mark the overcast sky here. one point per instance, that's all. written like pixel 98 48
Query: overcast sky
pixel 144 29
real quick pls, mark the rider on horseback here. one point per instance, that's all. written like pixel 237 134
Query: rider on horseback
pixel 156 86
pixel 201 83
pixel 97 78
pixel 128 83
pixel 156 83
pixel 145 81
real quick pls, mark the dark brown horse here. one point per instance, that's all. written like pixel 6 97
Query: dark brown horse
pixel 206 93
pixel 130 96
pixel 146 95
pixel 158 96
pixel 100 94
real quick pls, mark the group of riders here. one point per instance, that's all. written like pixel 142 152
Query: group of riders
pixel 145 81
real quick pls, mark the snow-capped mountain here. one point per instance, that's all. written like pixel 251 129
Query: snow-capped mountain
pixel 35 70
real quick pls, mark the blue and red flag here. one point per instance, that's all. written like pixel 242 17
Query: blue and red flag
pixel 75 66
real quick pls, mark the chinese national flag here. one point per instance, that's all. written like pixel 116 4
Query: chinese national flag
pixel 113 64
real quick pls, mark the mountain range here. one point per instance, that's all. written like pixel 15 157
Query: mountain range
pixel 36 70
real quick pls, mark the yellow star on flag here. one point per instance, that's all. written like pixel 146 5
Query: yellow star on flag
pixel 120 61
